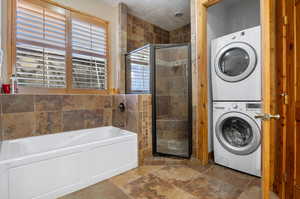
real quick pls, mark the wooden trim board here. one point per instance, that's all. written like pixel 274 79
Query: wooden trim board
pixel 201 45
pixel 270 91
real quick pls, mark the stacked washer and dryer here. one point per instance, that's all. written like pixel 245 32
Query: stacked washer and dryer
pixel 236 93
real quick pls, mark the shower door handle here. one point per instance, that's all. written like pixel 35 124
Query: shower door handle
pixel 265 116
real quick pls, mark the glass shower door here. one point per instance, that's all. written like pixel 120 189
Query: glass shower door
pixel 172 125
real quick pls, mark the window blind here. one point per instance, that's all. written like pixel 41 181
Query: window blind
pixel 138 71
pixel 89 56
pixel 40 45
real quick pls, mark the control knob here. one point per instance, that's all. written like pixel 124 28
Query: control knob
pixel 234 106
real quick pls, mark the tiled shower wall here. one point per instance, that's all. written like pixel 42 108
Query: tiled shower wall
pixel 172 100
pixel 181 35
pixel 32 115
pixel 140 33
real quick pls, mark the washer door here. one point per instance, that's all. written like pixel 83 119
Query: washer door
pixel 238 133
pixel 235 62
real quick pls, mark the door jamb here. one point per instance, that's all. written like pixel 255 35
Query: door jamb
pixel 267 11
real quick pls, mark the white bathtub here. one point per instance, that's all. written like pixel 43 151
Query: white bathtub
pixel 51 166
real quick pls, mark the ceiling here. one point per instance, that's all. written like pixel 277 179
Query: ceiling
pixel 229 3
pixel 158 12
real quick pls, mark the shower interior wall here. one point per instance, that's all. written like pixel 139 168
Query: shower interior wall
pixel 172 100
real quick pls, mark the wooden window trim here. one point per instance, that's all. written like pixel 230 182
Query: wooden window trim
pixel 11 48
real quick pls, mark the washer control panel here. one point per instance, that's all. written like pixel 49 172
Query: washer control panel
pixel 253 106
pixel 235 106
pixel 238 106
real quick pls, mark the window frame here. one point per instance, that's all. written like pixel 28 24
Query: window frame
pixel 12 41
pixel 128 85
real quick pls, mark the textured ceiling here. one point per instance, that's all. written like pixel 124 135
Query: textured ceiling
pixel 158 12
pixel 232 2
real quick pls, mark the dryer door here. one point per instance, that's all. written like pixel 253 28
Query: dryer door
pixel 238 133
pixel 235 62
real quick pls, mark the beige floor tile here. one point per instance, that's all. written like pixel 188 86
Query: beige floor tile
pixel 235 178
pixel 196 165
pixel 102 190
pixel 177 175
pixel 254 192
pixel 190 181
pixel 123 179
pixel 255 182
pixel 207 187
pixel 153 187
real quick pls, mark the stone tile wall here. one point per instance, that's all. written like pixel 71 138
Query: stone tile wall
pixel 181 35
pixel 32 115
pixel 122 46
pixel 140 33
pixel 139 119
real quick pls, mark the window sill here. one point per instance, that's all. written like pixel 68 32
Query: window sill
pixel 28 90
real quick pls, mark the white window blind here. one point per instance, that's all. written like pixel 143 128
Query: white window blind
pixel 89 56
pixel 138 71
pixel 40 45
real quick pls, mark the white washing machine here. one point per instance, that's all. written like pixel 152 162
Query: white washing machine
pixel 237 136
pixel 236 66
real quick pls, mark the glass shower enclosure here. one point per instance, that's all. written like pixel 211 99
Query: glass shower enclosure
pixel 164 70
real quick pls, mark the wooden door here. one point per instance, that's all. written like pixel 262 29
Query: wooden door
pixel 291 60
pixel 296 68
pixel 282 104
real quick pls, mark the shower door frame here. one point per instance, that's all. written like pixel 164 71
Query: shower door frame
pixel 153 47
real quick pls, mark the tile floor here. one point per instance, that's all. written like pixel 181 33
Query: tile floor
pixel 188 181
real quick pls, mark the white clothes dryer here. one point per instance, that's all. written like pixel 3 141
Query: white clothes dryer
pixel 236 66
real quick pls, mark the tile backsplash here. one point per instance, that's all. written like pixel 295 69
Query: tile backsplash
pixel 31 115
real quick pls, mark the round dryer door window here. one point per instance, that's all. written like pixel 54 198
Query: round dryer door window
pixel 238 133
pixel 235 62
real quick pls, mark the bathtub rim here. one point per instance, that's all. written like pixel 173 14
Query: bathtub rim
pixel 125 136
